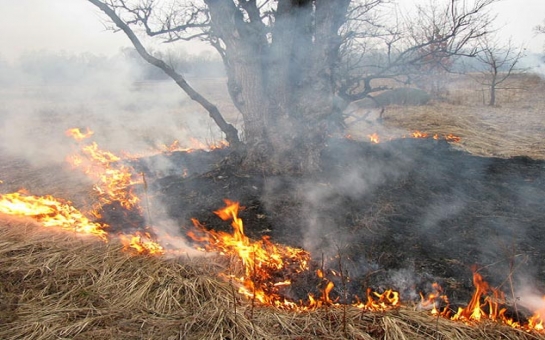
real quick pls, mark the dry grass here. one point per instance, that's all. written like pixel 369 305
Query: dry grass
pixel 58 286
pixel 516 127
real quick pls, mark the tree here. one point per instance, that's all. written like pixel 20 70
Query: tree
pixel 540 28
pixel 283 57
pixel 500 62
pixel 413 49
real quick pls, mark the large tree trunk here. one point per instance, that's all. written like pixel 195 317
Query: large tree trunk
pixel 281 83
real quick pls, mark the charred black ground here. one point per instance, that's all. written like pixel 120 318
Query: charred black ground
pixel 401 214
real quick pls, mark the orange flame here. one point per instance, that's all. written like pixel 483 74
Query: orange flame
pixel 380 301
pixel 195 145
pixel 418 134
pixel 262 260
pixel 141 243
pixel 535 322
pixel 50 212
pixel 78 135
pixel 267 266
pixel 435 299
pixel 114 180
pixel 484 296
pixel 452 138
pixel 487 303
pixel 374 138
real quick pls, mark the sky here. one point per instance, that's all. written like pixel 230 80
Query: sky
pixel 76 26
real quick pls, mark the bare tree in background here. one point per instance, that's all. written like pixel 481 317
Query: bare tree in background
pixel 500 61
pixel 540 28
pixel 414 49
pixel 283 59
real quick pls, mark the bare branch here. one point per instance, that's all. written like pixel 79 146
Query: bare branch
pixel 500 61
pixel 229 130
pixel 430 40
pixel 540 28
pixel 171 21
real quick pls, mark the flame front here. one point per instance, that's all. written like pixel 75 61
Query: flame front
pixel 114 179
pixel 268 268
pixel 264 262
pixel 195 145
pixel 375 138
pixel 141 243
pixel 78 135
pixel 50 212
pixel 487 303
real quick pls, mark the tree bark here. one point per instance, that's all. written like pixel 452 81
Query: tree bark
pixel 493 84
pixel 492 101
pixel 283 85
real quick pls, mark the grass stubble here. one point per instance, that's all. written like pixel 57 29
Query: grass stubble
pixel 55 285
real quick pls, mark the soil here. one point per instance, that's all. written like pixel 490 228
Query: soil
pixel 400 214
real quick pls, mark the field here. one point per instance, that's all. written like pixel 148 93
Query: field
pixel 57 285
pixel 515 127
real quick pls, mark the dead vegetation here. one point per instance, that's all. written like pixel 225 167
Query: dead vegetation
pixel 58 286
pixel 515 127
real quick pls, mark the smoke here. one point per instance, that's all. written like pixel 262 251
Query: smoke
pixel 170 236
pixel 45 94
pixel 131 110
pixel 535 63
pixel 527 298
pixel 347 183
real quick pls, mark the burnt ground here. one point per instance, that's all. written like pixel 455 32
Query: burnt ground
pixel 401 214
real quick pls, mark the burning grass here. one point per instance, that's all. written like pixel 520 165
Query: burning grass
pixel 481 133
pixel 55 285
pixel 515 127
pixel 60 286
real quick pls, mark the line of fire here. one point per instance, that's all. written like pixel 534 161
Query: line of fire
pixel 266 273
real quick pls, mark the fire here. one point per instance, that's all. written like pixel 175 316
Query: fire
pixel 269 269
pixel 114 179
pixel 452 138
pixel 374 138
pixel 78 135
pixel 380 301
pixel 535 322
pixel 435 300
pixel 195 145
pixel 264 262
pixel 418 134
pixel 141 243
pixel 487 303
pixel 53 212
pixel 475 310
pixel 50 212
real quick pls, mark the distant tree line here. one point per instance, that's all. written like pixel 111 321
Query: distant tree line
pixel 45 67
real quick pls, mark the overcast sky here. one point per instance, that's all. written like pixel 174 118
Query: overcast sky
pixel 75 26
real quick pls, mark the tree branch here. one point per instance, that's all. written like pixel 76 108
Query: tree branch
pixel 230 131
